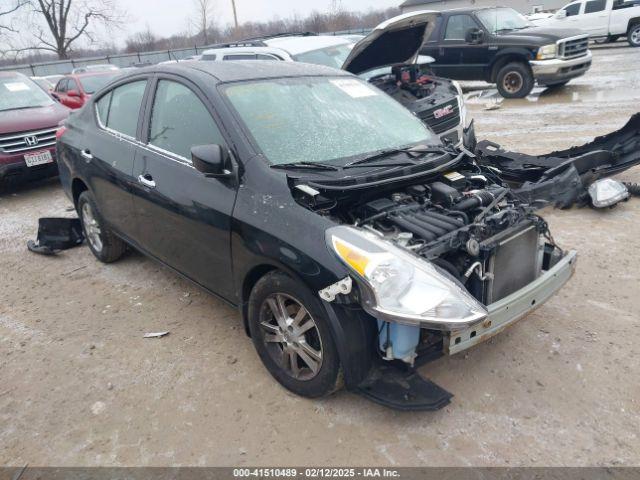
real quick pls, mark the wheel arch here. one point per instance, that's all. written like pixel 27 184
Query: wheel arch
pixel 632 23
pixel 77 187
pixel 505 58
pixel 248 282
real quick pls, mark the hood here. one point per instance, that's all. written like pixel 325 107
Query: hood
pixel 394 42
pixel 544 34
pixel 32 118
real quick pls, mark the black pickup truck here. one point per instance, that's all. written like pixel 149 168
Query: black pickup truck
pixel 498 45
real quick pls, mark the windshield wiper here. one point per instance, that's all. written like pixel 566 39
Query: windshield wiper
pixel 306 165
pixel 420 151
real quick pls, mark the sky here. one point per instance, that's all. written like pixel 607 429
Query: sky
pixel 166 17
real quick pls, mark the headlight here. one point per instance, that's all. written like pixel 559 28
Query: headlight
pixel 546 52
pixel 400 287
pixel 607 192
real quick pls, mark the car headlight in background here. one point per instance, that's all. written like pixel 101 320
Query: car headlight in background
pixel 547 51
pixel 607 192
pixel 402 288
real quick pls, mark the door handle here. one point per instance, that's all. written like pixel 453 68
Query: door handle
pixel 86 154
pixel 147 180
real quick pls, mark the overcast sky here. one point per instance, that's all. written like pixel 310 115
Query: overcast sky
pixel 166 17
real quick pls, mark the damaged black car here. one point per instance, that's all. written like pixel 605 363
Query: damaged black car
pixel 353 242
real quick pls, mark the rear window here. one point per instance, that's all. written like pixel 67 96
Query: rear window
pixel 119 109
pixel 18 92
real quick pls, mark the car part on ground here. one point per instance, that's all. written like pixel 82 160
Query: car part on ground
pixel 562 177
pixel 56 234
pixel 606 193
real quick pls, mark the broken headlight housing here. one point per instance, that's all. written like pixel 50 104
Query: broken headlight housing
pixel 607 192
pixel 547 51
pixel 399 287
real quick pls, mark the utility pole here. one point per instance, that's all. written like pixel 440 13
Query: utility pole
pixel 235 14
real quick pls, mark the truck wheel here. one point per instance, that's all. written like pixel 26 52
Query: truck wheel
pixel 515 80
pixel 103 243
pixel 290 331
pixel 634 35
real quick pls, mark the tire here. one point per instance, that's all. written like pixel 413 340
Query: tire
pixel 283 354
pixel 515 80
pixel 104 244
pixel 633 35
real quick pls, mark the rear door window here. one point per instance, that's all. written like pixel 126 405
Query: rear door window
pixel 179 120
pixel 594 6
pixel 239 56
pixel 120 108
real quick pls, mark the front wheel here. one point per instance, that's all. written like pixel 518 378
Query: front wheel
pixel 291 334
pixel 634 35
pixel 515 80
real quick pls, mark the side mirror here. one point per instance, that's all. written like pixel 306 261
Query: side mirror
pixel 211 160
pixel 73 93
pixel 474 36
pixel 561 14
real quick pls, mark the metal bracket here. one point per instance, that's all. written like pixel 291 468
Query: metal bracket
pixel 341 286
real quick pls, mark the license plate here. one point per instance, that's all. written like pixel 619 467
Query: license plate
pixel 38 158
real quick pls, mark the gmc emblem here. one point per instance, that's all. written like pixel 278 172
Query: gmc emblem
pixel 443 112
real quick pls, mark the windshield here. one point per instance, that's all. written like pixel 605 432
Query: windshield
pixel 21 92
pixel 321 119
pixel 93 83
pixel 333 56
pixel 502 19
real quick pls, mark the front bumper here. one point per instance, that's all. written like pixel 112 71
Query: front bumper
pixel 559 70
pixel 13 167
pixel 512 308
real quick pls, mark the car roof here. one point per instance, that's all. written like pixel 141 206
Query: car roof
pixel 94 74
pixel 239 70
pixel 295 45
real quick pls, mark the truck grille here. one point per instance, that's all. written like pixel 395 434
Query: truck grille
pixel 574 47
pixel 25 141
pixel 443 117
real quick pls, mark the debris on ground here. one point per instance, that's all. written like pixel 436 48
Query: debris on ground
pixel 155 334
pixel 55 234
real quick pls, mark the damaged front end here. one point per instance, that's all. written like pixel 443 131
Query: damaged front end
pixel 441 264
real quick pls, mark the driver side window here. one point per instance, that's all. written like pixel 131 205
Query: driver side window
pixel 458 25
pixel 573 9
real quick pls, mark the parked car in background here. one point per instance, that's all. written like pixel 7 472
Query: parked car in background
pixel 74 90
pixel 29 120
pixel 498 45
pixel 386 58
pixel 44 83
pixel 349 238
pixel 601 19
pixel 106 67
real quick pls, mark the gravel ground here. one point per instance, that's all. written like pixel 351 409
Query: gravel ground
pixel 79 386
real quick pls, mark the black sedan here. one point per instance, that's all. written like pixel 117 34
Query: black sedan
pixel 353 243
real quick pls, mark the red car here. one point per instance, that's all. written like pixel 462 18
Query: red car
pixel 29 121
pixel 74 90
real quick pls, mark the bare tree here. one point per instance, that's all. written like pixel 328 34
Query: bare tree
pixel 203 15
pixel 56 25
pixel 6 15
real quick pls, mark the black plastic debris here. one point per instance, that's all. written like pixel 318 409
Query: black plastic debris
pixel 55 234
pixel 563 177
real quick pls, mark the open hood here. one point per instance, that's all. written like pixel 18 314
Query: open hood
pixel 395 41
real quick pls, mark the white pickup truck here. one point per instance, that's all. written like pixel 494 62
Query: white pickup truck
pixel 601 19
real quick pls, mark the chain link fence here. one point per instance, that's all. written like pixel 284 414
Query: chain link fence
pixel 62 67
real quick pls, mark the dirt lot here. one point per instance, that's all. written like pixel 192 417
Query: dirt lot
pixel 80 386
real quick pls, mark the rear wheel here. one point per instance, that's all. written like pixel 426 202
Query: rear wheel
pixel 101 240
pixel 633 36
pixel 515 80
pixel 291 334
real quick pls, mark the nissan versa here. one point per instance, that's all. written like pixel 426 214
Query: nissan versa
pixel 354 244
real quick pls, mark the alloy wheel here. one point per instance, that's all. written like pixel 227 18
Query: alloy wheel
pixel 91 227
pixel 291 336
pixel 635 36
